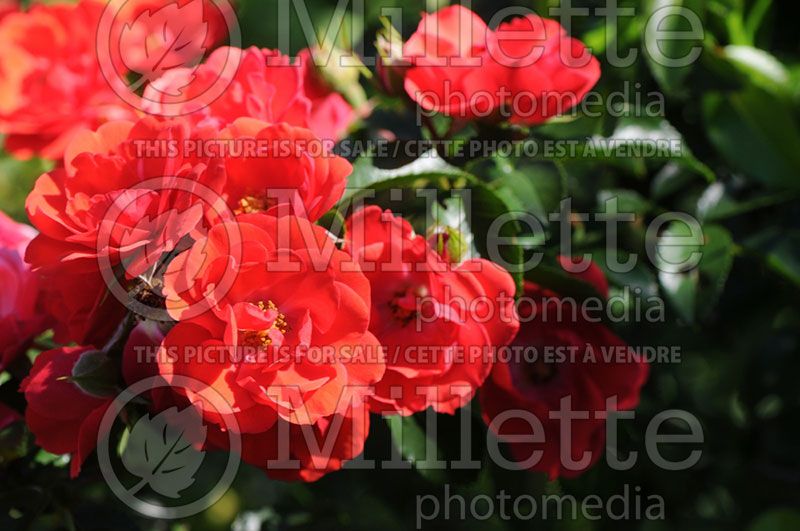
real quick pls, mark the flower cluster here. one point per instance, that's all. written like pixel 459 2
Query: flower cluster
pixel 51 84
pixel 526 71
pixel 586 380
pixel 189 229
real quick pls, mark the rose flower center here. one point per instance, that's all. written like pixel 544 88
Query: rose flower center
pixel 405 303
pixel 264 337
pixel 540 371
pixel 250 204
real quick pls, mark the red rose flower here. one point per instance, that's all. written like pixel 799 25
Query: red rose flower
pixel 440 323
pixel 588 378
pixel 527 71
pixel 21 315
pixel 7 7
pixel 285 335
pixel 175 33
pixel 51 85
pixel 317 448
pixel 267 86
pixel 110 207
pixel 63 418
pixel 292 452
pixel 444 53
pixel 291 167
pixel 129 193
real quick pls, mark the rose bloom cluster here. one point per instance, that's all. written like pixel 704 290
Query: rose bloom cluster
pixel 138 248
pixel 525 71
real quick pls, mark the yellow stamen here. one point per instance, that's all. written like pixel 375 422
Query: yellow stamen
pixel 250 204
pixel 260 338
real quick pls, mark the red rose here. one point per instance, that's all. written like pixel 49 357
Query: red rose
pixel 292 161
pixel 7 7
pixel 527 71
pixel 425 311
pixel 286 333
pixel 539 385
pixel 95 215
pixel 129 193
pixel 266 86
pixel 292 452
pixel 318 448
pixel 440 51
pixel 288 451
pixel 64 419
pixel 147 29
pixel 21 315
pixel 51 85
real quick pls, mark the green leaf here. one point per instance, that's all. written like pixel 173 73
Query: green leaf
pixel 668 15
pixel 715 266
pixel 694 291
pixel 670 179
pixel 636 144
pixel 629 201
pixel 487 209
pixel 96 374
pixel 673 258
pixel 659 131
pixel 756 17
pixel 717 203
pixel 761 68
pixel 756 133
pixel 412 442
pixel 429 167
pixel 16 180
pixel 449 439
pixel 780 249
pixel 777 520
pixel 537 189
pixel 680 290
pixel 640 278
